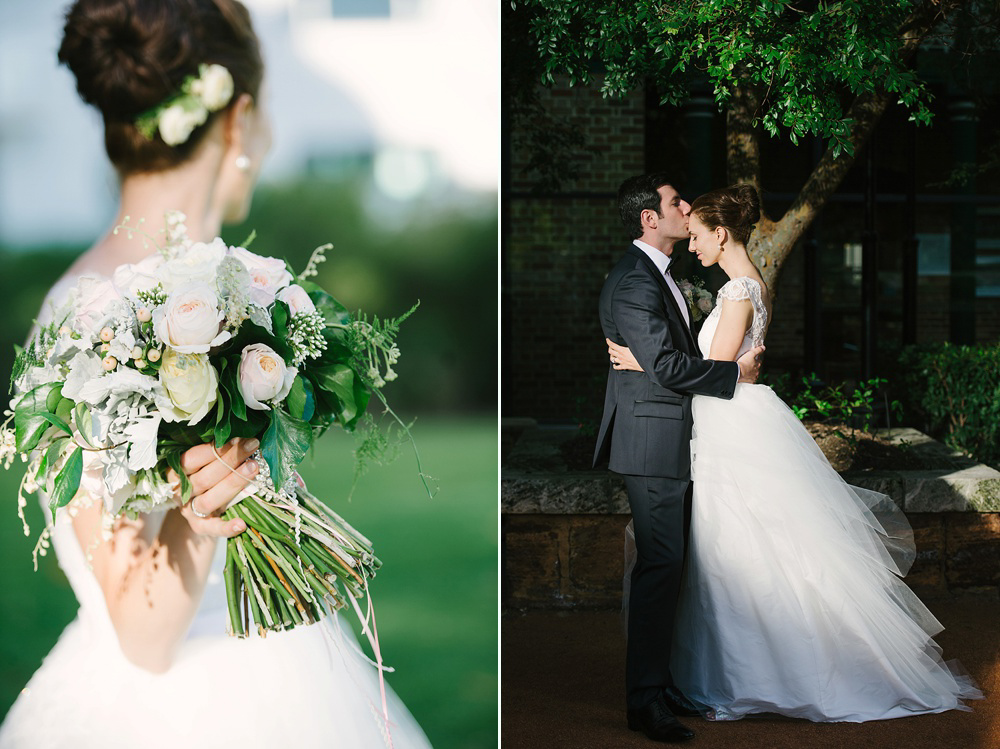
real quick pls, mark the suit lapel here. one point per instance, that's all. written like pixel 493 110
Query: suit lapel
pixel 667 293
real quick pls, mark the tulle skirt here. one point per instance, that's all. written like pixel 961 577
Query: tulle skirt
pixel 792 601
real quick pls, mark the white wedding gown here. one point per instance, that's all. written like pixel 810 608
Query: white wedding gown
pixel 792 601
pixel 306 687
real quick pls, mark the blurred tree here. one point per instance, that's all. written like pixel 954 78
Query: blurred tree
pixel 797 67
pixel 386 257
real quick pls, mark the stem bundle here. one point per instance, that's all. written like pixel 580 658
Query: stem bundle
pixel 297 561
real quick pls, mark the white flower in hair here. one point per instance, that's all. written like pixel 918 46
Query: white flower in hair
pixel 177 123
pixel 177 117
pixel 214 87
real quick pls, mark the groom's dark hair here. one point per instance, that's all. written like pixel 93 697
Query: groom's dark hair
pixel 638 194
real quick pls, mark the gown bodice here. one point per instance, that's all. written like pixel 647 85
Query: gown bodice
pixel 737 289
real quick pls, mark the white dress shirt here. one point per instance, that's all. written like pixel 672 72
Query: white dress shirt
pixel 663 265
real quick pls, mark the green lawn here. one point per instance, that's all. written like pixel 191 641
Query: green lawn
pixel 435 596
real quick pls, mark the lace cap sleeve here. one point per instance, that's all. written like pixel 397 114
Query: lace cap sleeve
pixel 742 288
pixel 736 289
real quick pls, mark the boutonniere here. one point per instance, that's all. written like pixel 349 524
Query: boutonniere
pixel 699 298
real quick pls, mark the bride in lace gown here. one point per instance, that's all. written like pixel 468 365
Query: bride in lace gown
pixel 147 661
pixel 792 600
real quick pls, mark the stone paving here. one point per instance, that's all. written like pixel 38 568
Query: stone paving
pixel 562 685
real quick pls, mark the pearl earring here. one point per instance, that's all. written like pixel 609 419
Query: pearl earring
pixel 243 162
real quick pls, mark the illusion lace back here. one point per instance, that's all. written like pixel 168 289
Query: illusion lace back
pixel 793 601
pixel 307 687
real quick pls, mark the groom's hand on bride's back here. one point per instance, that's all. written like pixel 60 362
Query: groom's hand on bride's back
pixel 750 364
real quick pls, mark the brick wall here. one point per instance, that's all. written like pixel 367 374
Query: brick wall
pixel 558 249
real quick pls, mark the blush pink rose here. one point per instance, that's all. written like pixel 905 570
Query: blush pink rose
pixel 264 376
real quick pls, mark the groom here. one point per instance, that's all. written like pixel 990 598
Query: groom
pixel 645 435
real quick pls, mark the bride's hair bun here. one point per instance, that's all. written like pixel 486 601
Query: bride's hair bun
pixel 736 208
pixel 129 56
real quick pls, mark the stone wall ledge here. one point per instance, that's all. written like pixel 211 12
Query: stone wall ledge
pixel 534 478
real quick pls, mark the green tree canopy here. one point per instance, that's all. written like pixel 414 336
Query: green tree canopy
pixel 783 67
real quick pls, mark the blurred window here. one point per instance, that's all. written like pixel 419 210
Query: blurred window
pixel 359 8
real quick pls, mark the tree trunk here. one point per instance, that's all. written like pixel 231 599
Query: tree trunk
pixel 743 139
pixel 773 241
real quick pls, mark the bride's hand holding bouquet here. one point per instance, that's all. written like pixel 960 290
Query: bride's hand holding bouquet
pixel 138 381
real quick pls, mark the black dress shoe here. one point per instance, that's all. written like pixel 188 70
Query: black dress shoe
pixel 679 704
pixel 658 723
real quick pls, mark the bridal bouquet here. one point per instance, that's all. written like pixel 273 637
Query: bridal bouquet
pixel 201 343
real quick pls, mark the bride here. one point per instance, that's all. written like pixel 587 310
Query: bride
pixel 147 661
pixel 792 600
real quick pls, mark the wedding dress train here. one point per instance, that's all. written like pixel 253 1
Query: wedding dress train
pixel 792 601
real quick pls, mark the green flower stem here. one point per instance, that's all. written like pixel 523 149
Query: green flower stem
pixel 259 587
pixel 273 582
pixel 232 583
pixel 282 557
pixel 247 583
pixel 309 524
pixel 320 509
pixel 283 616
pixel 285 583
pixel 413 443
pixel 317 559
pixel 344 570
pixel 271 565
pixel 251 507
pixel 324 591
pixel 253 522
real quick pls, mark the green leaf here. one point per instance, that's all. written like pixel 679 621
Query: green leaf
pixel 29 422
pixel 56 422
pixel 67 481
pixel 52 454
pixel 84 423
pixel 284 444
pixel 339 380
pixel 279 319
pixel 228 379
pixel 301 401
pixel 223 424
pixel 173 456
pixel 333 311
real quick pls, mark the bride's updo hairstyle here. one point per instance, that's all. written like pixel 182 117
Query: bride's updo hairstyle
pixel 735 208
pixel 129 56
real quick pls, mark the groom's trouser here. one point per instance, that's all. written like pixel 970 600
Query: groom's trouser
pixel 661 512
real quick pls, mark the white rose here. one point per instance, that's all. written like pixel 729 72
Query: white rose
pixel 264 376
pixel 92 300
pixel 297 299
pixel 135 277
pixel 197 264
pixel 214 87
pixel 267 275
pixel 192 384
pixel 176 123
pixel 190 321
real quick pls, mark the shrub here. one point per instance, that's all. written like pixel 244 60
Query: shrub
pixel 956 391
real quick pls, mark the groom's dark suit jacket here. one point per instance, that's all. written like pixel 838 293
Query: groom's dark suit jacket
pixel 646 428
